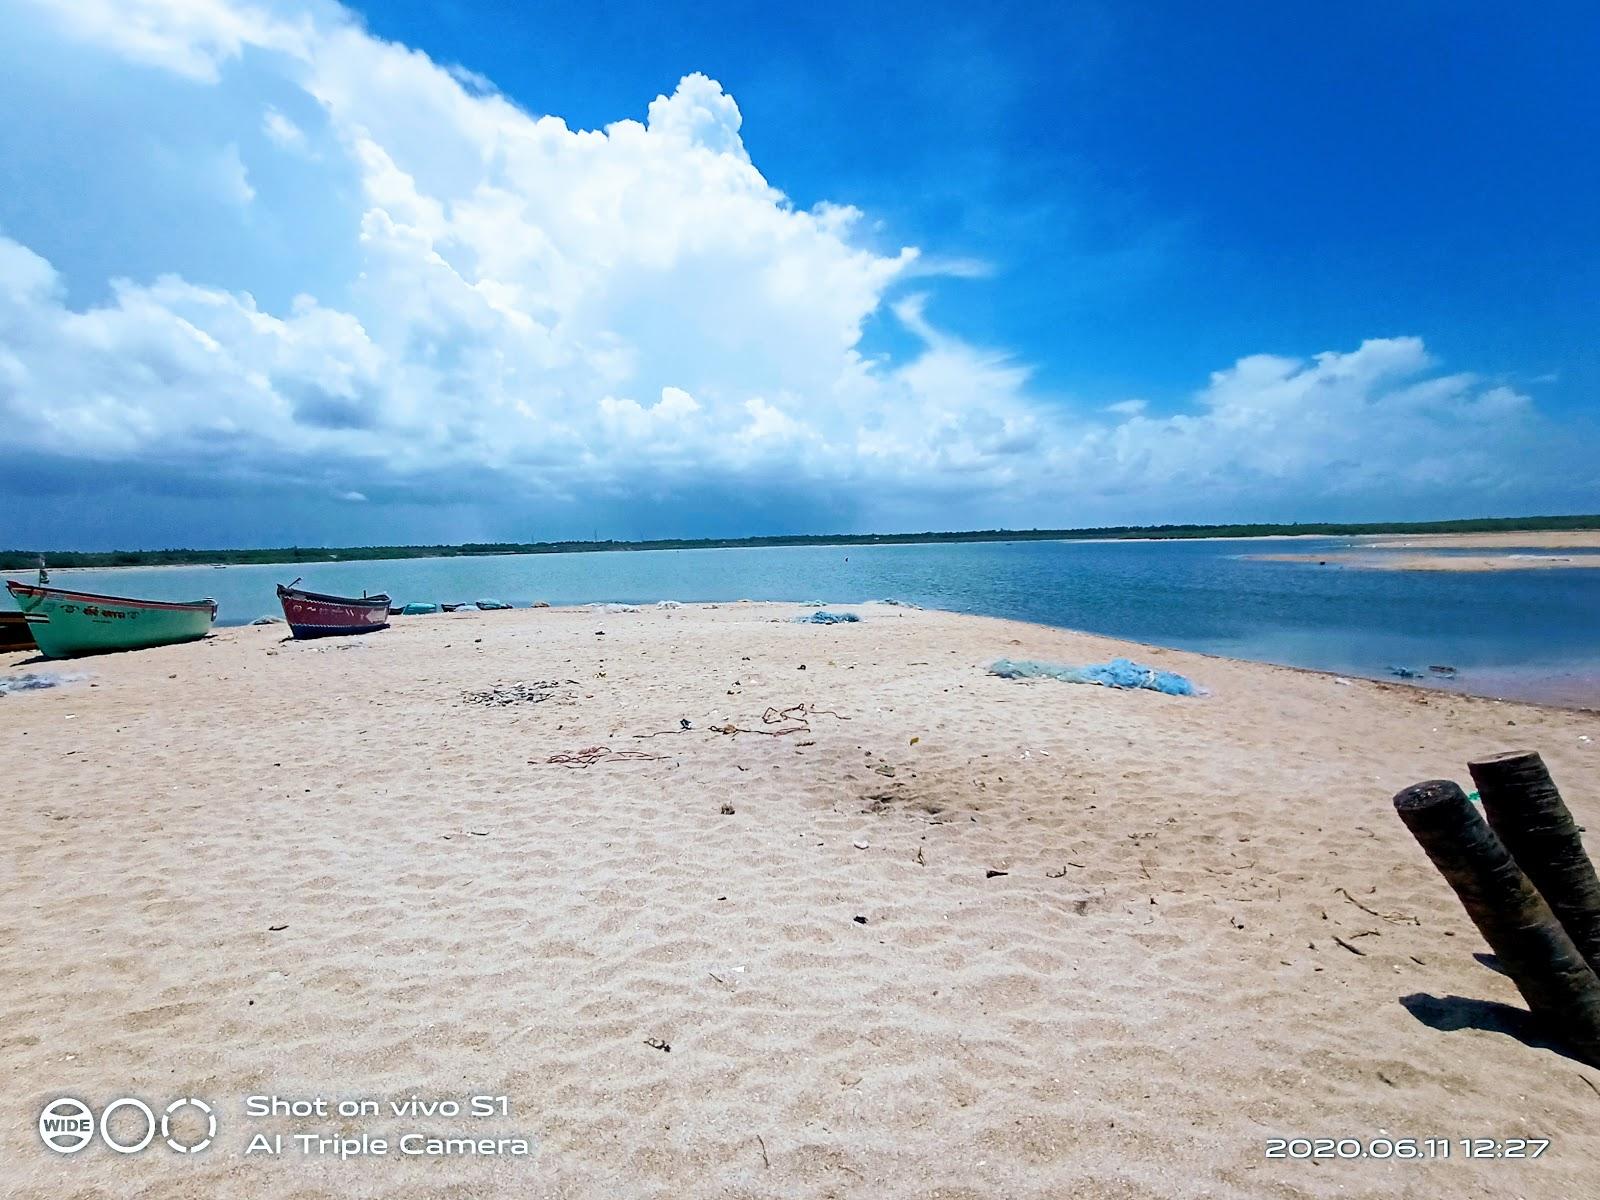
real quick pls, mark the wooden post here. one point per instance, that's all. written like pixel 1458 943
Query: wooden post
pixel 1524 808
pixel 1530 943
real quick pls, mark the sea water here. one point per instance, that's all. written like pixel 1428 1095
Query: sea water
pixel 1532 634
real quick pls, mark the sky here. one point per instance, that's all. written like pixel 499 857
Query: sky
pixel 282 272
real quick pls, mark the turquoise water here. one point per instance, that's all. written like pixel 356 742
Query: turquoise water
pixel 1531 634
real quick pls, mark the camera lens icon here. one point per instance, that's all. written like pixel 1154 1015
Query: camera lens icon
pixel 166 1124
pixel 66 1125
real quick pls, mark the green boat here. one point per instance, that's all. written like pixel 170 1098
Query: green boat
pixel 67 623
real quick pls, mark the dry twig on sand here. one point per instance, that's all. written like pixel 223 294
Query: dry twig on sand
pixel 1396 918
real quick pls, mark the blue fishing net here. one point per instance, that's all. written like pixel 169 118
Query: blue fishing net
pixel 824 617
pixel 1118 673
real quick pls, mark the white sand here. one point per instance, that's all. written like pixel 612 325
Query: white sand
pixel 1388 560
pixel 1150 992
pixel 1550 539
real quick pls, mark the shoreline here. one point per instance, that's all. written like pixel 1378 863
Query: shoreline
pixel 1548 539
pixel 1584 697
pixel 1389 560
pixel 1086 933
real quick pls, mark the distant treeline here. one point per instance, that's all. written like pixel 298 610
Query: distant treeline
pixel 12 560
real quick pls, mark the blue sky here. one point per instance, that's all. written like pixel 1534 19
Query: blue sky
pixel 1157 193
pixel 294 272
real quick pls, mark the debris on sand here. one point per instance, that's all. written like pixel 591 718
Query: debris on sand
pixel 1118 673
pixel 823 617
pixel 590 755
pixel 30 681
pixel 794 719
pixel 503 694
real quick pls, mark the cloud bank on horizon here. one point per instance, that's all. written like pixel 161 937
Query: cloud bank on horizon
pixel 307 284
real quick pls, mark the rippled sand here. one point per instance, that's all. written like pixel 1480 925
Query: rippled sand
pixel 959 937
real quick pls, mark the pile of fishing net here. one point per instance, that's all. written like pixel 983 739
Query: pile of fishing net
pixel 1118 673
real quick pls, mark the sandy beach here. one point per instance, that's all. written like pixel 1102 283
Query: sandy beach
pixel 876 924
pixel 1551 539
pixel 1504 552
pixel 1389 560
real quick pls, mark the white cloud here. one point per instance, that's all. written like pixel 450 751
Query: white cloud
pixel 623 310
pixel 282 130
pixel 1369 422
pixel 192 38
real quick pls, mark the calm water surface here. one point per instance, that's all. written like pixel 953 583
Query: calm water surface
pixel 1531 634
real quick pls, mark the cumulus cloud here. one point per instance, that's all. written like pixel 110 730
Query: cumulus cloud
pixel 505 306
pixel 1377 420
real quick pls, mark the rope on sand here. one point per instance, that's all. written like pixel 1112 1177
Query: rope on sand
pixel 590 755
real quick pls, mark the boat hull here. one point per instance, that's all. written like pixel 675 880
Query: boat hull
pixel 15 632
pixel 313 615
pixel 66 624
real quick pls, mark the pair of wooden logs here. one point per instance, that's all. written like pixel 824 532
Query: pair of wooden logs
pixel 1525 881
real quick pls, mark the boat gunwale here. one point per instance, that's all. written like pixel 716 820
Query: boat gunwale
pixel 18 589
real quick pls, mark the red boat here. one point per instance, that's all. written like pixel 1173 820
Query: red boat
pixel 311 614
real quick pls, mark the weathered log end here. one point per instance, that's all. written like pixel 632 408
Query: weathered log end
pixel 1433 803
pixel 1517 778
